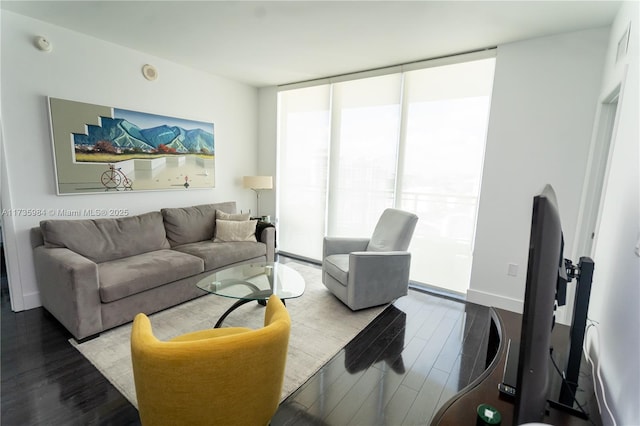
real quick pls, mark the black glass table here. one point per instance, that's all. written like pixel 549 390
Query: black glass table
pixel 253 282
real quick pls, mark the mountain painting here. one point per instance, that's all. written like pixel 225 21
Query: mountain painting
pixel 106 149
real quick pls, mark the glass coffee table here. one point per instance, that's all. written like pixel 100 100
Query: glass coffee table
pixel 253 282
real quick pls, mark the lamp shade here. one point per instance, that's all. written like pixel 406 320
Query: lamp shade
pixel 257 182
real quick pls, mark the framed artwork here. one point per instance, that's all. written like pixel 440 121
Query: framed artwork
pixel 101 149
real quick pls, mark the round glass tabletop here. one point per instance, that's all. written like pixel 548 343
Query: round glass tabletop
pixel 255 281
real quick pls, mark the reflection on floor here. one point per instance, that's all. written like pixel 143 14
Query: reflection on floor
pixel 398 371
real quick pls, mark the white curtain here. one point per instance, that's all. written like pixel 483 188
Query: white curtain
pixel 303 153
pixel 447 112
pixel 364 141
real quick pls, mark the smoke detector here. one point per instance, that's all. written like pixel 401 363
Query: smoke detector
pixel 43 44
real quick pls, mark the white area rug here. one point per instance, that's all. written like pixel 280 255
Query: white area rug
pixel 320 326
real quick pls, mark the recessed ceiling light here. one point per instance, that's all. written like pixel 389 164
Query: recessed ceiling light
pixel 150 72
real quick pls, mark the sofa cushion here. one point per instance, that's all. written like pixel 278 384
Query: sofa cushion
pixel 235 230
pixel 101 240
pixel 337 265
pixel 219 255
pixel 124 277
pixel 186 225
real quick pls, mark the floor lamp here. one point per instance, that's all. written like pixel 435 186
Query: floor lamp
pixel 257 183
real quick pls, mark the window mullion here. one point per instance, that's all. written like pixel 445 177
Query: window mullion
pixel 402 133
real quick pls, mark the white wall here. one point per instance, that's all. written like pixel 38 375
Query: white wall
pixel 615 295
pixel 542 112
pixel 267 152
pixel 89 70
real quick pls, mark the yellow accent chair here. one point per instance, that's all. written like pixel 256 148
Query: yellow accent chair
pixel 222 376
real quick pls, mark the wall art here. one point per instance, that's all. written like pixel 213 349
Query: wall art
pixel 101 149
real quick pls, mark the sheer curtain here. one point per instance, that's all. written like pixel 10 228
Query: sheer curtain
pixel 364 141
pixel 412 140
pixel 446 112
pixel 303 155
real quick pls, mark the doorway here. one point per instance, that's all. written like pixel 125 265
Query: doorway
pixel 597 168
pixel 596 175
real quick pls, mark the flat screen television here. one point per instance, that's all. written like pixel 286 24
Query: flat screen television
pixel 545 282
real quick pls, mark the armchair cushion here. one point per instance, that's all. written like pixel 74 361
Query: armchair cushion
pixel 393 231
pixel 337 265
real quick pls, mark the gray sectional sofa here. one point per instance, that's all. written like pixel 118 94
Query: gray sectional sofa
pixel 96 274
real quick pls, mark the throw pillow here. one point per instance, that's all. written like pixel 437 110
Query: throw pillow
pixel 228 216
pixel 235 230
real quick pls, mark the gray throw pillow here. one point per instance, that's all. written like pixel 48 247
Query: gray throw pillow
pixel 186 225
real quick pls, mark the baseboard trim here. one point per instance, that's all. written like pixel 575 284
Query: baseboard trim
pixel 494 300
pixel 298 257
pixel 31 300
pixel 437 291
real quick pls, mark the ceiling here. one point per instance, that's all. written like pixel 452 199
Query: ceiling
pixel 264 43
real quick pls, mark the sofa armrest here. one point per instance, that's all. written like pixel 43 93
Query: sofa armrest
pixel 268 236
pixel 69 289
pixel 377 277
pixel 342 245
pixel 35 236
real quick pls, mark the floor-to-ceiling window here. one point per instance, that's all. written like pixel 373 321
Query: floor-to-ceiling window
pixel 412 139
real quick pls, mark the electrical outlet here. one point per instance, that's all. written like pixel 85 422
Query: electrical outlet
pixel 512 270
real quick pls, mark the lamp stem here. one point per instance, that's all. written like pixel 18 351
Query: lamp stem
pixel 257 202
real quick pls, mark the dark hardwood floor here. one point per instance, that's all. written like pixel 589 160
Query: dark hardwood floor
pixel 413 357
pixel 398 371
pixel 45 381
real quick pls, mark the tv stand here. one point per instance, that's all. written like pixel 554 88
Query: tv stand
pixel 584 276
pixel 461 408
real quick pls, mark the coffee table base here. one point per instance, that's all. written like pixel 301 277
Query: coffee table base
pixel 241 302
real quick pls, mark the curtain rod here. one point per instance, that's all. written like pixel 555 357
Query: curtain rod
pixel 404 64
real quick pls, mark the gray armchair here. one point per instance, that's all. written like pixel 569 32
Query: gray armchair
pixel 365 272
